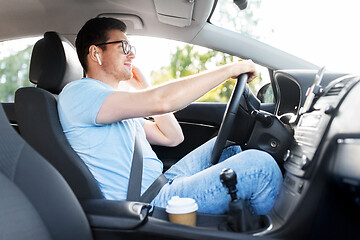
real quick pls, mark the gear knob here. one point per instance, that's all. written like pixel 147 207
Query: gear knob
pixel 228 179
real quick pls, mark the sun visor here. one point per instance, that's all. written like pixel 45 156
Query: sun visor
pixel 174 12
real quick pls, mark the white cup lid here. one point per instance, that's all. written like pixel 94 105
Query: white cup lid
pixel 177 205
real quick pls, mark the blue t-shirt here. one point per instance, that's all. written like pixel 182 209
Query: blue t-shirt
pixel 106 149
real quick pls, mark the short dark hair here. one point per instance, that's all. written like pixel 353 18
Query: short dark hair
pixel 95 31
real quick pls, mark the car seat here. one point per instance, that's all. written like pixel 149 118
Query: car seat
pixel 35 200
pixel 54 63
pixel 37 203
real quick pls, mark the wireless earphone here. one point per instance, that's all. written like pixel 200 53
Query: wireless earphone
pixel 98 58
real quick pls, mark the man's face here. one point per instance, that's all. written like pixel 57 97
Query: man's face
pixel 114 61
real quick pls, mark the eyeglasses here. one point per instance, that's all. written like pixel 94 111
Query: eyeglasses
pixel 126 47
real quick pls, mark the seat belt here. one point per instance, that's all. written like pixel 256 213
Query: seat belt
pixel 154 189
pixel 135 179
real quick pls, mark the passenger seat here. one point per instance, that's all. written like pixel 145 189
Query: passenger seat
pixel 54 63
pixel 35 201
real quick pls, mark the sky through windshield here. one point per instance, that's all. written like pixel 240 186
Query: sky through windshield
pixel 323 32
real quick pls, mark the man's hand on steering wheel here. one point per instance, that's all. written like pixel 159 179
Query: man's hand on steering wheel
pixel 246 66
pixel 250 74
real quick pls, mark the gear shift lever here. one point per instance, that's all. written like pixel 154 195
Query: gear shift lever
pixel 228 179
pixel 240 218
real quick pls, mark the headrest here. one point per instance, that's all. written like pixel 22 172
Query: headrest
pixel 54 63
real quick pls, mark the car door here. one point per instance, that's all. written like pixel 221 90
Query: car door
pixel 199 122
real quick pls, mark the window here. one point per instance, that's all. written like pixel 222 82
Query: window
pixel 321 31
pixel 161 60
pixel 14 66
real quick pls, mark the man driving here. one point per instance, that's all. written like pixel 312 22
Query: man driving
pixel 101 122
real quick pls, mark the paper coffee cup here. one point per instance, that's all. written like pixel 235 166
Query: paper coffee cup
pixel 182 210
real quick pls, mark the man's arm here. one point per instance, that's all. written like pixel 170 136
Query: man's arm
pixel 169 97
pixel 165 129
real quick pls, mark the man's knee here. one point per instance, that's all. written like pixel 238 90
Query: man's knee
pixel 262 160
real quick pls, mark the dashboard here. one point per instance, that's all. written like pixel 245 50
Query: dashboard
pixel 326 142
pixel 313 123
pixel 290 89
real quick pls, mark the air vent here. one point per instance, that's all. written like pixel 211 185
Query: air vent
pixel 336 88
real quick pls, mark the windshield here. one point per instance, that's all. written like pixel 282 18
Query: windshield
pixel 323 32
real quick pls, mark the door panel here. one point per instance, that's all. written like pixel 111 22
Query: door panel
pixel 9 109
pixel 199 122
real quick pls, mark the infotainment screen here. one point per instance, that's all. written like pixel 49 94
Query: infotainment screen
pixel 311 92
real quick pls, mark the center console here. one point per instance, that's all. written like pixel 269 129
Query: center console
pixel 311 125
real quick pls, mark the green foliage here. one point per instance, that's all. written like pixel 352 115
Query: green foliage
pixel 187 61
pixel 190 60
pixel 268 94
pixel 245 21
pixel 14 73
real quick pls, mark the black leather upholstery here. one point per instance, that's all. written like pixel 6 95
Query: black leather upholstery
pixel 54 63
pixel 35 201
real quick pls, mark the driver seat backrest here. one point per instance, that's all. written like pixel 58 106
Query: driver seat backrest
pixel 35 200
pixel 54 63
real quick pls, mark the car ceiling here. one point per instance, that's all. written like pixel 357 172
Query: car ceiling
pixel 26 18
pixel 20 18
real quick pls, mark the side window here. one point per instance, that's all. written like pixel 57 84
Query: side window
pixel 14 66
pixel 162 60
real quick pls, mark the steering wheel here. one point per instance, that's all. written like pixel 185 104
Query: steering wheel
pixel 229 117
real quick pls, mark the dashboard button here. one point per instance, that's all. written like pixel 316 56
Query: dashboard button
pixel 329 109
pixel 304 162
pixel 287 155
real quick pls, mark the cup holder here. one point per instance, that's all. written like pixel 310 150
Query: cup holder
pixel 216 222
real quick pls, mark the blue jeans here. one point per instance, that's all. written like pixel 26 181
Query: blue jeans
pixel 258 179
